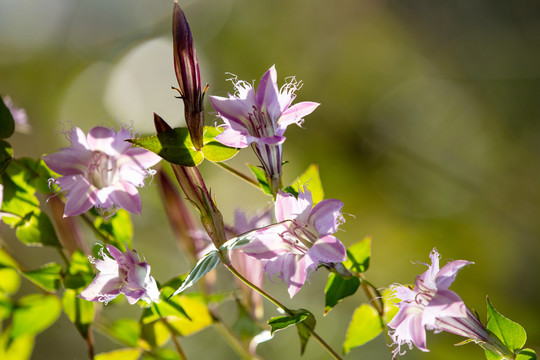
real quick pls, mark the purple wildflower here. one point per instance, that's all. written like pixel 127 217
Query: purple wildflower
pixel 260 118
pixel 101 170
pixel 124 274
pixel 301 240
pixel 430 305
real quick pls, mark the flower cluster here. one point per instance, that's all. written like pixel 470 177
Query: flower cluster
pixel 101 170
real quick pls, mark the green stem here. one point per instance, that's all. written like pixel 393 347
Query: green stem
pixel 230 338
pixel 287 311
pixel 239 174
pixel 90 223
pixel 173 335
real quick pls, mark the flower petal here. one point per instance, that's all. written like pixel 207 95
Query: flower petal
pixel 80 196
pixel 233 138
pixel 104 287
pixel 446 276
pixel 267 95
pixel 69 161
pixel 327 249
pixel 326 216
pixel 125 195
pixel 295 115
pixel 287 207
pixel 268 243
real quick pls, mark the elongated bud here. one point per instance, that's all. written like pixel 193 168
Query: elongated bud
pixel 68 229
pixel 187 71
pixel 194 188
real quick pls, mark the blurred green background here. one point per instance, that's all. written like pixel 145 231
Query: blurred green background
pixel 429 131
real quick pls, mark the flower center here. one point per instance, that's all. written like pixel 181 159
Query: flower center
pixel 101 170
pixel 300 237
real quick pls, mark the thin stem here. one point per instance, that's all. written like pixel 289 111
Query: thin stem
pixel 289 312
pixel 231 339
pixel 90 223
pixel 173 335
pixel 239 174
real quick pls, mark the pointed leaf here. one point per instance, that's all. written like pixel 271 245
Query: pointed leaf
pixel 312 180
pixel 9 281
pixel 7 123
pixel 358 256
pixel 199 316
pixel 338 288
pixel 47 277
pixel 303 333
pixel 173 145
pixel 213 150
pixel 206 264
pixel 510 333
pixel 365 326
pixel 282 322
pixel 261 178
pixel 34 313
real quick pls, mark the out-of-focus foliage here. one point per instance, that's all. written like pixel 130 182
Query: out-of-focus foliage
pixel 428 129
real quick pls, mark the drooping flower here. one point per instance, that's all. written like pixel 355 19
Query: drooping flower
pixel 432 306
pixel 124 273
pixel 260 118
pixel 301 240
pixel 101 170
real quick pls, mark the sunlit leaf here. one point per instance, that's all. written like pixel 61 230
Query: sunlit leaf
pixel 198 312
pixel 206 264
pixel 6 305
pixel 338 288
pixel 153 335
pixel 127 331
pixel 365 325
pixel 34 313
pixel 36 229
pixel 526 354
pixel 214 150
pixel 17 348
pixel 284 321
pixel 358 256
pixel 7 124
pixel 19 198
pixel 79 311
pixel 509 332
pixel 47 277
pixel 162 354
pixel 9 280
pixel 261 178
pixel 118 228
pixel 122 354
pixel 173 145
pixel 312 181
pixel 79 272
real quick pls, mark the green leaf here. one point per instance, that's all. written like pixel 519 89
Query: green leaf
pixel 122 354
pixel 303 333
pixel 311 180
pixel 79 272
pixel 47 277
pixel 358 256
pixel 365 326
pixel 261 178
pixel 338 288
pixel 173 145
pixel 510 333
pixel 127 331
pixel 284 321
pixel 6 305
pixel 6 155
pixel 213 150
pixel 9 281
pixel 161 354
pixel 206 264
pixel 34 313
pixel 19 198
pixel 199 316
pixel 166 308
pixel 36 229
pixel 118 228
pixel 6 260
pixel 79 311
pixel 526 354
pixel 7 124
pixel 19 347
pixel 153 335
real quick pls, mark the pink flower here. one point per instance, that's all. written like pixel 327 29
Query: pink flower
pixel 101 170
pixel 430 305
pixel 260 118
pixel 301 240
pixel 124 274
